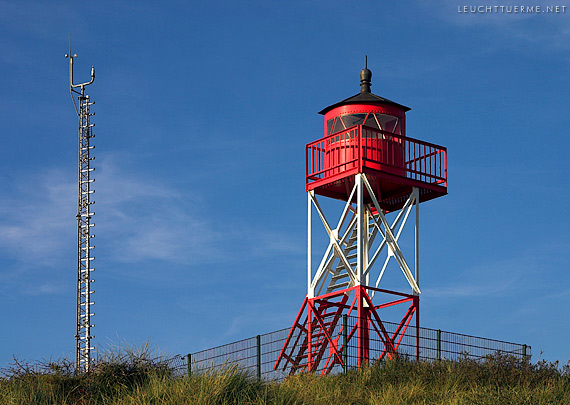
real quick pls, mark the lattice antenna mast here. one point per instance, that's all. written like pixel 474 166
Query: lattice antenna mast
pixel 84 215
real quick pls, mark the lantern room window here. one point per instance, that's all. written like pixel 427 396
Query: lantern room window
pixel 384 122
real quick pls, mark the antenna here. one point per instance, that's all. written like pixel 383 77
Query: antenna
pixel 84 215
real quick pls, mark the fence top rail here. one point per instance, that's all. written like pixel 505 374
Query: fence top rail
pixel 221 346
pixel 478 337
pixel 456 334
pixel 238 341
pixel 253 339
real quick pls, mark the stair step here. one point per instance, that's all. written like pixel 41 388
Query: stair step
pixel 341 266
pixel 328 314
pixel 339 276
pixel 337 286
pixel 317 326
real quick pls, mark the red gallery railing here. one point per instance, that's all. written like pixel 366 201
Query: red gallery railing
pixel 359 148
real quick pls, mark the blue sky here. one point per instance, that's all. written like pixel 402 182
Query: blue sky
pixel 202 113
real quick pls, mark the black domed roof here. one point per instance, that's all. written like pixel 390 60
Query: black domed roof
pixel 364 98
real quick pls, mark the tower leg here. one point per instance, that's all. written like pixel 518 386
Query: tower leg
pixel 340 287
pixel 417 305
pixel 363 321
pixel 416 193
pixel 310 290
pixel 309 339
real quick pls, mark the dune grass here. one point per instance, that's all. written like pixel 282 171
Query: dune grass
pixel 138 377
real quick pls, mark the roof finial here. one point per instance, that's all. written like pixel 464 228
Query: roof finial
pixel 365 77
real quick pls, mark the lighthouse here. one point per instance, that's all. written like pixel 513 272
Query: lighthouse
pixel 366 161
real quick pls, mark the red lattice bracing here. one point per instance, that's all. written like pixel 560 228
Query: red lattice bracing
pixel 318 340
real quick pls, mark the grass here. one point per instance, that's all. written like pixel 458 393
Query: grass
pixel 137 376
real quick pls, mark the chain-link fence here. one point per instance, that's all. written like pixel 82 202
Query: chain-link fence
pixel 258 355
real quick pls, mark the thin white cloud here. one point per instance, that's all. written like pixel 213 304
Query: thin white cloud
pixel 502 29
pixel 507 276
pixel 47 288
pixel 137 219
pixel 37 218
pixel 554 298
pixel 147 219
pixel 465 290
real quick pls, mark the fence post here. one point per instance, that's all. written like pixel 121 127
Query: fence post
pixel 524 352
pixel 345 341
pixel 258 339
pixel 439 344
pixel 189 364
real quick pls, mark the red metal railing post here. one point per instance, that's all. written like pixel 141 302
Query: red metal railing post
pixel 307 164
pixel 445 169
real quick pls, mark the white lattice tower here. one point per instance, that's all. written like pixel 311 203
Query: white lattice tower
pixel 84 216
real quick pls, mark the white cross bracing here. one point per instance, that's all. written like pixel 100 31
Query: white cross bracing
pixel 348 259
pixel 84 236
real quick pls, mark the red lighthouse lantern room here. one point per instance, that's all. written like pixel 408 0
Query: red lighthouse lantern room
pixel 366 160
pixel 375 115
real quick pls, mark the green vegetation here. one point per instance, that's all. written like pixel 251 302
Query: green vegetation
pixel 126 376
